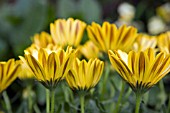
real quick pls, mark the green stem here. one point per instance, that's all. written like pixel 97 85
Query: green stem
pixel 7 102
pixel 120 97
pixel 161 85
pixel 105 80
pixel 37 110
pixel 163 95
pixel 52 91
pixel 168 109
pixel 47 101
pixel 128 93
pixel 30 102
pixel 138 101
pixel 82 103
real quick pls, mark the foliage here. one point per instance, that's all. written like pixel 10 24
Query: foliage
pixel 21 19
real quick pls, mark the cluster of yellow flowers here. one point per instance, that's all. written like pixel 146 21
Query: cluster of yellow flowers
pixel 140 59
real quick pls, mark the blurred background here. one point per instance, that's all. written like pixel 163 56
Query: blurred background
pixel 21 19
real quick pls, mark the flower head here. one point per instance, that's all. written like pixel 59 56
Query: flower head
pixel 89 50
pixel 67 32
pixel 108 36
pixel 8 73
pixel 144 42
pixel 164 42
pixel 25 72
pixel 49 67
pixel 141 70
pixel 42 40
pixel 85 75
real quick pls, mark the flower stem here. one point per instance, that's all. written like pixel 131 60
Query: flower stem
pixel 106 75
pixel 138 101
pixel 82 103
pixel 47 101
pixel 36 109
pixel 52 100
pixel 7 102
pixel 30 102
pixel 120 97
pixel 168 109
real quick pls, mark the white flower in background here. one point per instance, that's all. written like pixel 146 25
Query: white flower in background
pixel 156 25
pixel 126 11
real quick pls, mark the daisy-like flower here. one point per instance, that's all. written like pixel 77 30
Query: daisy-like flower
pixel 8 73
pixel 141 70
pixel 164 42
pixel 49 67
pixel 89 50
pixel 25 72
pixel 67 32
pixel 85 75
pixel 144 41
pixel 42 40
pixel 109 37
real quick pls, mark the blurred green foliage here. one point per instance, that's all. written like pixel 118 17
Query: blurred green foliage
pixel 21 19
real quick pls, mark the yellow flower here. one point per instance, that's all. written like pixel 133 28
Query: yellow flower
pixel 49 67
pixel 25 72
pixel 141 70
pixel 89 50
pixel 164 42
pixel 8 73
pixel 144 41
pixel 67 32
pixel 108 36
pixel 42 40
pixel 85 75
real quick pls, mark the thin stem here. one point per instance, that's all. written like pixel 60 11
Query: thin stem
pixel 161 85
pixel 128 93
pixel 120 97
pixel 47 101
pixel 52 100
pixel 138 101
pixel 106 75
pixel 82 103
pixel 30 102
pixel 7 102
pixel 162 92
pixel 37 110
pixel 168 109
pixel 0 100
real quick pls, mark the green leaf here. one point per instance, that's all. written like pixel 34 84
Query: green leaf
pixel 23 19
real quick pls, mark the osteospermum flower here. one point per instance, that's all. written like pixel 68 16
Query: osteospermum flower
pixel 108 36
pixel 164 42
pixel 42 40
pixel 144 41
pixel 89 50
pixel 25 72
pixel 85 75
pixel 8 73
pixel 67 32
pixel 141 70
pixel 49 67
